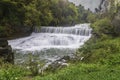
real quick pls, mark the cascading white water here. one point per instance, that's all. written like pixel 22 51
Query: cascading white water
pixel 62 38
pixel 53 37
pixel 81 30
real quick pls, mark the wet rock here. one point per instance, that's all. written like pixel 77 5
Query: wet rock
pixel 3 42
pixel 58 64
pixel 6 51
pixel 67 58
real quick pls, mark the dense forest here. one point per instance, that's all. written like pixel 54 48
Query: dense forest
pixel 21 16
pixel 101 54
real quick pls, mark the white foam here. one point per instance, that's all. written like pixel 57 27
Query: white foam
pixel 47 40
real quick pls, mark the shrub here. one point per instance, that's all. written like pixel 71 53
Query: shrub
pixel 11 72
pixel 102 27
pixel 100 50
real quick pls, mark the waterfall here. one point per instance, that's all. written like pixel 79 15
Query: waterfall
pixel 49 42
pixel 82 30
pixel 53 37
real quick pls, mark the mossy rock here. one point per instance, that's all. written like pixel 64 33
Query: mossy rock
pixel 6 54
pixel 3 42
pixel 6 51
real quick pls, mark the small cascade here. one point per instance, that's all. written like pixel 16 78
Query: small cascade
pixel 53 37
pixel 82 29
pixel 51 42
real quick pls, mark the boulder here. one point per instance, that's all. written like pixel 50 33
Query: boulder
pixel 6 51
pixel 3 42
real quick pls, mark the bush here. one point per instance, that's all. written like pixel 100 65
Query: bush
pixel 100 50
pixel 103 27
pixel 10 72
pixel 116 24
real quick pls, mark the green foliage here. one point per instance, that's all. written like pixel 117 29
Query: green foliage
pixel 107 23
pixel 10 72
pixel 116 20
pixel 9 13
pixel 103 27
pixel 101 50
pixel 91 18
pixel 35 67
pixel 63 12
pixel 83 15
pixel 22 15
pixel 81 71
pixel 31 15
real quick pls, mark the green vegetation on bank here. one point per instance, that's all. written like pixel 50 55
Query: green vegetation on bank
pixel 105 51
pixel 82 71
pixel 10 72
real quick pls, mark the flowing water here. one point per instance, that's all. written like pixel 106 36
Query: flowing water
pixel 51 43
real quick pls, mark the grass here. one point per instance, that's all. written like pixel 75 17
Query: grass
pixel 106 51
pixel 84 71
pixel 11 72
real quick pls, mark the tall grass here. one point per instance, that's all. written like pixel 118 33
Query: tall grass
pixel 84 71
